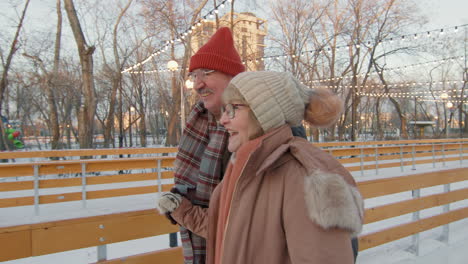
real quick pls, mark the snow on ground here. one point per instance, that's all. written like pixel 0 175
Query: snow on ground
pixel 432 250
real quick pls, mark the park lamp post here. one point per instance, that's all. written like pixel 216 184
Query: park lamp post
pixel 451 109
pixel 130 120
pixel 173 66
pixel 363 128
pixel 444 97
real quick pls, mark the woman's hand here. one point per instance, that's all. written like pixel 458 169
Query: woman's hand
pixel 168 202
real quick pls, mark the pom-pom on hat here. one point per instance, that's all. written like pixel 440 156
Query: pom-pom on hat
pixel 277 98
pixel 218 54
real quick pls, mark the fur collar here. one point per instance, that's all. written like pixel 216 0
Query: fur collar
pixel 332 202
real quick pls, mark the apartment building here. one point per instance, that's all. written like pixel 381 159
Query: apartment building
pixel 249 36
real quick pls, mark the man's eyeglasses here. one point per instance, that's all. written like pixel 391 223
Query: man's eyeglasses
pixel 230 109
pixel 199 74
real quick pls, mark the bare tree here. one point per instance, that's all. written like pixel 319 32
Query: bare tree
pixel 88 106
pixel 116 83
pixel 6 64
pixel 50 80
pixel 174 20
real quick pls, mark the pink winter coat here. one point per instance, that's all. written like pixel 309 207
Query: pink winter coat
pixel 293 203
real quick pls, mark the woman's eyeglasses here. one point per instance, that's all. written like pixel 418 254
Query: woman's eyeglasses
pixel 199 74
pixel 230 109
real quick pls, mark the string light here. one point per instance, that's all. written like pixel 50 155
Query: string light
pixel 279 56
pixel 400 68
pixel 395 85
pixel 188 31
pixel 443 94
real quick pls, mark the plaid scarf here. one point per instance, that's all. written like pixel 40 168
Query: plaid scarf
pixel 198 169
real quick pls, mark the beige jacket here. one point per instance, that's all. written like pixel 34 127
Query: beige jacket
pixel 293 203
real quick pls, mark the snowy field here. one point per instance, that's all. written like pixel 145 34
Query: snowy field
pixel 432 250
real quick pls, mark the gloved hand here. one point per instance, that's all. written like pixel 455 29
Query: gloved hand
pixel 168 202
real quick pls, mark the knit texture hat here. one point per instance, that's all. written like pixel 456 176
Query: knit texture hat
pixel 218 54
pixel 277 98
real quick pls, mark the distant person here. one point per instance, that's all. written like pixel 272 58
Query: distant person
pixel 282 200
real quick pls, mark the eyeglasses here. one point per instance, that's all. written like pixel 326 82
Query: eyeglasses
pixel 200 74
pixel 229 109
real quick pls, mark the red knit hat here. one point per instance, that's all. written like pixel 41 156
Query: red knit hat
pixel 218 54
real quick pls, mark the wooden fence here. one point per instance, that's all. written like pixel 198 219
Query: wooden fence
pixel 58 236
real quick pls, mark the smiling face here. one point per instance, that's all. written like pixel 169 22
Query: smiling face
pixel 240 123
pixel 210 87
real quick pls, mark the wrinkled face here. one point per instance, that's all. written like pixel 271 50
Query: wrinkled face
pixel 210 86
pixel 240 124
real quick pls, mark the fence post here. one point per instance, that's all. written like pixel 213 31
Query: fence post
pixel 362 161
pixel 159 177
pixel 415 238
pixel 461 153
pixel 401 158
pixel 83 184
pixel 36 189
pixel 446 208
pixel 433 155
pixel 413 158
pixel 102 249
pixel 443 154
pixel 376 160
pixel 172 236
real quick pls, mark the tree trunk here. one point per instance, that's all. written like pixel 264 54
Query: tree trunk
pixel 88 105
pixel 116 82
pixel 379 133
pixel 142 129
pixel 109 123
pixel 171 139
pixel 53 114
pixel 6 68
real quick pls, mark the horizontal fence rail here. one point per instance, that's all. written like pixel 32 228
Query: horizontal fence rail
pixel 64 235
pixel 59 236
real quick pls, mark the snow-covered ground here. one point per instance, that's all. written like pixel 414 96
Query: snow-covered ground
pixel 432 251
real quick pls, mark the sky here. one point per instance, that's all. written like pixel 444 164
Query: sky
pixel 440 13
pixel 443 13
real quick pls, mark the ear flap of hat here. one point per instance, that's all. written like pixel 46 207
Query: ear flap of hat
pixel 218 54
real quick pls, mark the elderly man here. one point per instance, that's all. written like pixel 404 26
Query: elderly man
pixel 202 155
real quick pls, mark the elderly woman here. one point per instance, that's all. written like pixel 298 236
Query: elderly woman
pixel 282 200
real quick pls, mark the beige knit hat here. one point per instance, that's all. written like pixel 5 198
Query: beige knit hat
pixel 277 98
